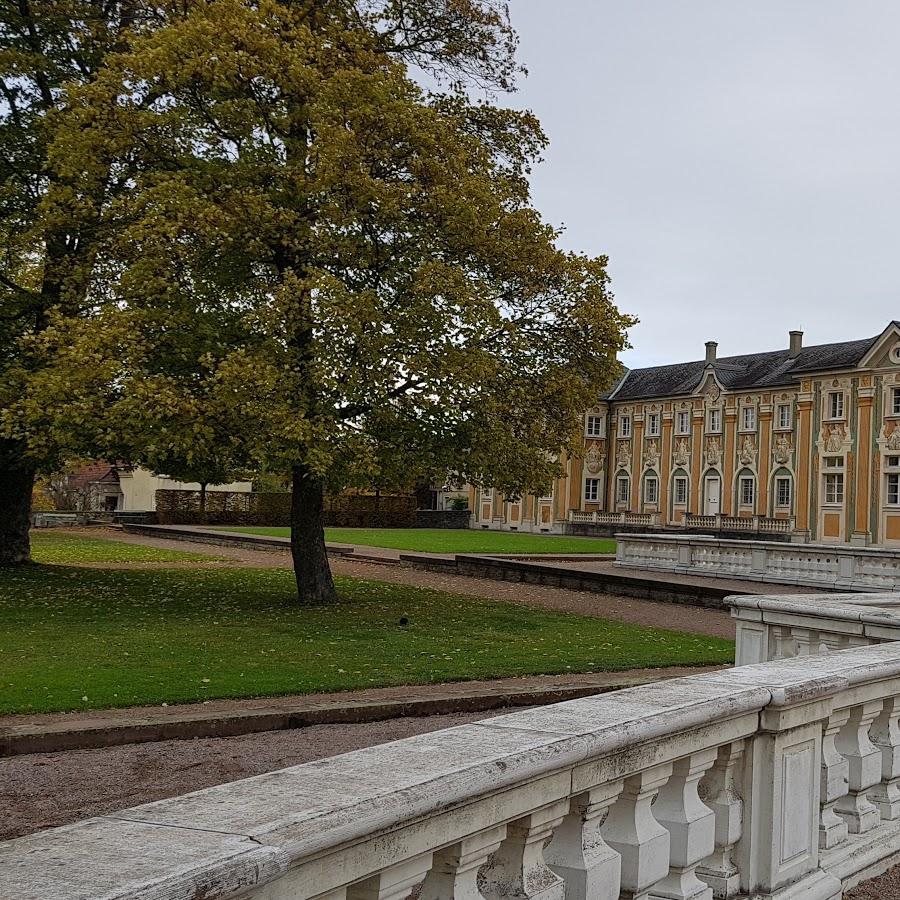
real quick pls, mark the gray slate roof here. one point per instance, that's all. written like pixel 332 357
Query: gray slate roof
pixel 752 370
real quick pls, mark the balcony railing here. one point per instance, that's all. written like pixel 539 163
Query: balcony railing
pixel 613 518
pixel 752 524
pixel 772 780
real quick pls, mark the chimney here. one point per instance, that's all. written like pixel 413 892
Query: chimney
pixel 711 347
pixel 796 342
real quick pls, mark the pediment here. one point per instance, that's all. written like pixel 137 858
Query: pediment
pixel 709 387
pixel 885 352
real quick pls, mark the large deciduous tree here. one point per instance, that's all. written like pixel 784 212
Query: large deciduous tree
pixel 45 261
pixel 345 267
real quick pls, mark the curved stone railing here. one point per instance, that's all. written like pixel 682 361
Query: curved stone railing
pixel 771 780
pixel 816 565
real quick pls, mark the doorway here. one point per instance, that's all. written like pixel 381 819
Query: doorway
pixel 712 493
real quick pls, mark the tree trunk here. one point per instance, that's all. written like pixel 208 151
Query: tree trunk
pixel 311 568
pixel 16 486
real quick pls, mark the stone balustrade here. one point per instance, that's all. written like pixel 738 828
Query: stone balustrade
pixel 774 780
pixel 817 565
pixel 613 518
pixel 782 626
pixel 746 524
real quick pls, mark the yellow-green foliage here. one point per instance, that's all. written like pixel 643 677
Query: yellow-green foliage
pixel 314 261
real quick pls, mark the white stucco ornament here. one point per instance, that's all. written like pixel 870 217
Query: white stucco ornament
pixel 682 455
pixel 713 452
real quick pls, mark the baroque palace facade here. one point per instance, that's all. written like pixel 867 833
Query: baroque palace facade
pixel 803 440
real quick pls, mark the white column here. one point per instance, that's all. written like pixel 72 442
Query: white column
pixel 691 826
pixel 578 853
pixel 885 735
pixel 835 781
pixel 723 789
pixel 864 759
pixel 633 832
pixel 454 875
pixel 517 871
pixel 394 883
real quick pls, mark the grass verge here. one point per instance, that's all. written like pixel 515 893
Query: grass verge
pixel 449 540
pixel 60 548
pixel 80 638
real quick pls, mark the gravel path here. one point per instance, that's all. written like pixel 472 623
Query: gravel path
pixel 675 616
pixel 49 789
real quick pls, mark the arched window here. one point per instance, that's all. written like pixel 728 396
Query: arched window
pixel 651 488
pixel 782 491
pixel 746 489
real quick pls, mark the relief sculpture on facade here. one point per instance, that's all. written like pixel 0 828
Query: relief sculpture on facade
pixel 834 437
pixel 713 451
pixel 894 440
pixel 651 453
pixel 623 454
pixel 594 460
pixel 682 455
pixel 783 450
pixel 748 451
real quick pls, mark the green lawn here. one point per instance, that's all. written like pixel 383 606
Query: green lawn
pixel 448 540
pixel 60 548
pixel 75 638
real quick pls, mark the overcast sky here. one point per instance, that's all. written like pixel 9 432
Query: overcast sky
pixel 738 162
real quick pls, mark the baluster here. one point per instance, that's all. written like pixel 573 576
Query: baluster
pixel 578 853
pixel 517 871
pixel 834 780
pixel 722 787
pixel 691 826
pixel 806 641
pixel 636 836
pixel 454 875
pixel 394 883
pixel 864 760
pixel 885 735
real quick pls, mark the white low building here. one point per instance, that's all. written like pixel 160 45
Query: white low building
pixel 117 488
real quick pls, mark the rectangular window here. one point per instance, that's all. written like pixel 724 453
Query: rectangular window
pixel 836 405
pixel 715 420
pixel 783 492
pixel 834 488
pixel 683 425
pixel 747 491
pixel 651 490
pixel 625 426
pixel 595 427
pixel 784 416
pixel 748 418
pixel 592 489
pixel 653 424
pixel 681 488
pixel 895 402
pixel 892 462
pixel 893 489
pixel 623 489
pixel 833 462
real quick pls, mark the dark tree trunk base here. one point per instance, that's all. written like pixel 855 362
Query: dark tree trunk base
pixel 16 487
pixel 312 570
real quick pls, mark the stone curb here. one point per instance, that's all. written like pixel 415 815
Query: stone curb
pixel 16 740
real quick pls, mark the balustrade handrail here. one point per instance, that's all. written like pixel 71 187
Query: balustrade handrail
pixel 388 812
